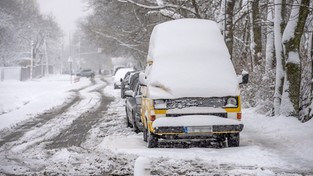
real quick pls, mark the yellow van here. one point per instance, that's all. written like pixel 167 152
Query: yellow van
pixel 190 91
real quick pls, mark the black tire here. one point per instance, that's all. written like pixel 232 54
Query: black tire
pixel 136 129
pixel 152 140
pixel 138 122
pixel 123 91
pixel 128 124
pixel 233 140
pixel 145 134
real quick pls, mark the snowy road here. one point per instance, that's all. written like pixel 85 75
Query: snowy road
pixel 87 135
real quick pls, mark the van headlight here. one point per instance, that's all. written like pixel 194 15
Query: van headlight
pixel 159 104
pixel 231 102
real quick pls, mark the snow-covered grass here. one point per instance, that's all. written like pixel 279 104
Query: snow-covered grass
pixel 22 100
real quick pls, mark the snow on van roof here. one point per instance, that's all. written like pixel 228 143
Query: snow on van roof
pixel 190 59
pixel 185 36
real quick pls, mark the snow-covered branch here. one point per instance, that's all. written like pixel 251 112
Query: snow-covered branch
pixel 161 6
pixel 133 47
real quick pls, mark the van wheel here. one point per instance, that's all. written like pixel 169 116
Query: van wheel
pixel 128 124
pixel 152 140
pixel 136 129
pixel 233 140
pixel 145 131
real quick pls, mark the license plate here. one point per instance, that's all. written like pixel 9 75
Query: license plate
pixel 199 129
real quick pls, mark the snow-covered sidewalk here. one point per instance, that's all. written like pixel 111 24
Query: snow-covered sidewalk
pixel 269 145
pixel 22 100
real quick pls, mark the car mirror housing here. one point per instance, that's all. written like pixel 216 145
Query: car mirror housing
pixel 143 79
pixel 138 99
pixel 243 78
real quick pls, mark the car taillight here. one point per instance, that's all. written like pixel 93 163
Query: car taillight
pixel 239 116
pixel 152 117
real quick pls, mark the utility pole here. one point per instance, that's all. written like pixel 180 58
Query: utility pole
pixel 79 52
pixel 70 60
pixel 46 55
pixel 61 59
pixel 31 59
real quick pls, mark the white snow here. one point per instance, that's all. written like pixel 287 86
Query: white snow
pixel 194 65
pixel 293 57
pixel 204 40
pixel 286 107
pixel 142 167
pixel 292 23
pixel 23 100
pixel 193 120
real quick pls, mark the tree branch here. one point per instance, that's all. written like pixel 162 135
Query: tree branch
pixel 166 6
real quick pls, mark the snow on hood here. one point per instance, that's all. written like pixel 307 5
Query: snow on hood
pixel 190 59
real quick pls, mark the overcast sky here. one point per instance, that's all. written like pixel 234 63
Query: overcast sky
pixel 67 12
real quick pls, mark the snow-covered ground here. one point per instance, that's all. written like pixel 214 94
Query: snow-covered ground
pixel 22 100
pixel 269 145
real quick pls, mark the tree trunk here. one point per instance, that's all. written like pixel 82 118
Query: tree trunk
pixel 280 69
pixel 257 33
pixel 269 56
pixel 229 32
pixel 291 39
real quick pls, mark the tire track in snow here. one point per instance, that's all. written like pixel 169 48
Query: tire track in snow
pixel 77 133
pixel 34 135
pixel 13 134
pixel 20 130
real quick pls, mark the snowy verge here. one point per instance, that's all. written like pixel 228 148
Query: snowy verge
pixel 287 137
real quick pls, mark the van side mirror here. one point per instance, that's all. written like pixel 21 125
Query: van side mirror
pixel 121 80
pixel 142 79
pixel 243 78
pixel 138 99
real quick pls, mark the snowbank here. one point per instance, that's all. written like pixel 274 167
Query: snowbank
pixel 142 166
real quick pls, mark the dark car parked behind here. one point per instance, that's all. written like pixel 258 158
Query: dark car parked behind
pixel 86 73
pixel 125 82
pixel 133 106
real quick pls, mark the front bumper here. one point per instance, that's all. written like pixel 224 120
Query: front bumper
pixel 199 129
pixel 195 125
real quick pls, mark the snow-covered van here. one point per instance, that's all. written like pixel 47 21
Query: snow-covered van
pixel 190 90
